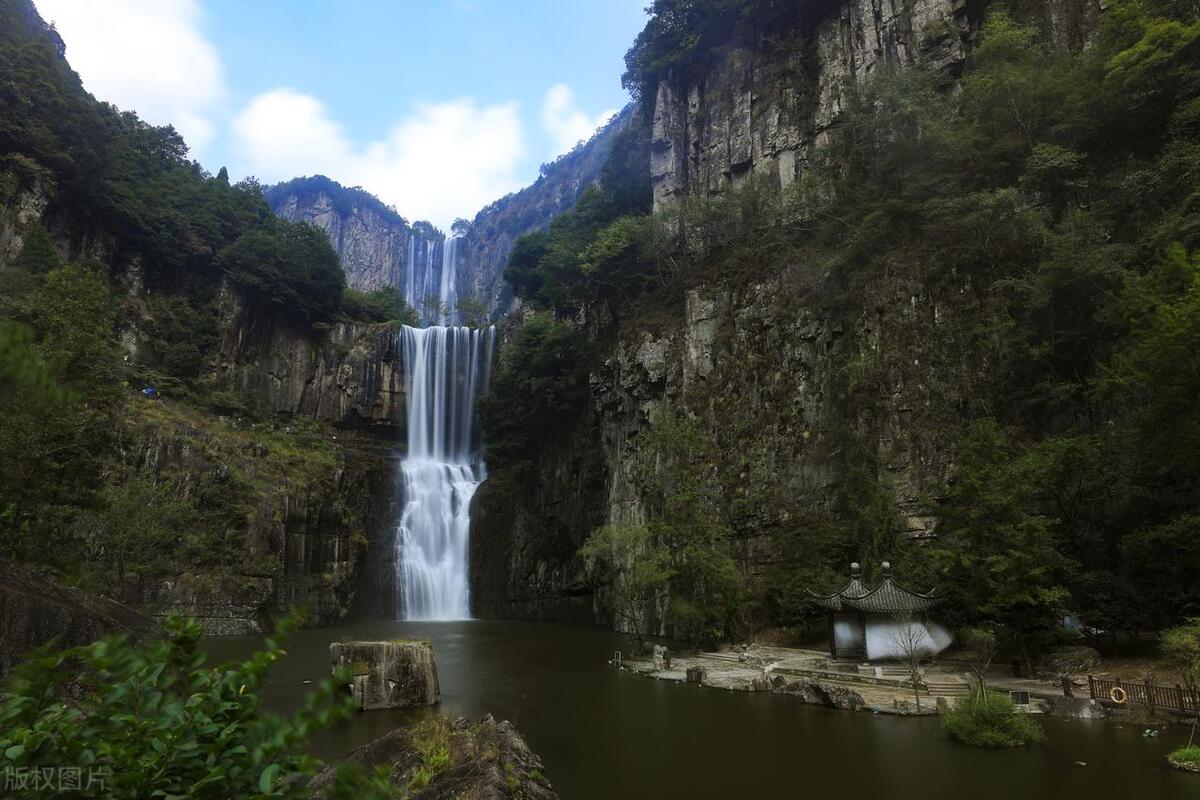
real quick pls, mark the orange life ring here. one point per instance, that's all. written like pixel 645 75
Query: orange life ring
pixel 1118 695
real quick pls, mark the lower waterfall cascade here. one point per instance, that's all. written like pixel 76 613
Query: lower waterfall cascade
pixel 446 369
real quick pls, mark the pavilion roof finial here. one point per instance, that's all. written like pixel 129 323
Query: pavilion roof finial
pixel 886 569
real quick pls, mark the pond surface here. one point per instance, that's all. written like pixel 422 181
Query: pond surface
pixel 604 734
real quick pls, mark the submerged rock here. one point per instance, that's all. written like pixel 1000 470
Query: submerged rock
pixel 33 611
pixel 397 674
pixel 1076 708
pixel 486 760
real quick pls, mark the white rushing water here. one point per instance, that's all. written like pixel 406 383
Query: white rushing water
pixel 446 369
pixel 447 291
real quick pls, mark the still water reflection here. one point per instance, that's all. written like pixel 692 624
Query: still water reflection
pixel 604 734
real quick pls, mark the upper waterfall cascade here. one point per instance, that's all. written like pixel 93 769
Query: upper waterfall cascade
pixel 446 369
pixel 431 279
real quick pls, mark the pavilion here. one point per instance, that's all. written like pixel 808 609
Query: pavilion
pixel 868 624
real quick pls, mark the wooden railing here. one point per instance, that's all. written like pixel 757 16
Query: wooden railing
pixel 1167 698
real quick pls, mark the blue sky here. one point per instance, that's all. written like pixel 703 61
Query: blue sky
pixel 438 107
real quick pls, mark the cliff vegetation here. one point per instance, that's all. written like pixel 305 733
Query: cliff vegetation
pixel 960 341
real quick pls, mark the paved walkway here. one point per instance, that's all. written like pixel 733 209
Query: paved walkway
pixel 884 688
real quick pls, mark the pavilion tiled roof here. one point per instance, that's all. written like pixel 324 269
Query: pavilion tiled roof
pixel 886 598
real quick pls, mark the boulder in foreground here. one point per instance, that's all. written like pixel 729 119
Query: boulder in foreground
pixel 437 760
pixel 397 674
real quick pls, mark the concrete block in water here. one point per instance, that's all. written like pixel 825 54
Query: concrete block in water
pixel 396 674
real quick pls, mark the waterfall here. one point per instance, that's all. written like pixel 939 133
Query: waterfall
pixel 447 292
pixel 446 368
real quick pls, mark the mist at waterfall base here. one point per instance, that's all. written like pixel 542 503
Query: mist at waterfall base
pixel 446 369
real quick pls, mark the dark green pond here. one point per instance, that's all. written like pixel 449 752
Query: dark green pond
pixel 604 734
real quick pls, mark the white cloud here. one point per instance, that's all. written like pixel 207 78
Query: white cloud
pixel 148 56
pixel 565 123
pixel 443 161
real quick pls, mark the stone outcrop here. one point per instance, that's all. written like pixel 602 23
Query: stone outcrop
pixel 396 674
pixel 821 693
pixel 488 760
pixel 353 375
pixel 371 239
pixel 1076 707
pixel 307 513
pixel 760 111
pixel 34 610
pixel 24 197
pixel 524 539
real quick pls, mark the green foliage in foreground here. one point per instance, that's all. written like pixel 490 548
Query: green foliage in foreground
pixel 154 721
pixel 989 719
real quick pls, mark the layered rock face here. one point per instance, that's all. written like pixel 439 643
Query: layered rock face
pixel 307 515
pixel 764 371
pixel 393 674
pixel 376 244
pixel 759 112
pixel 33 611
pixel 352 376
pixel 372 240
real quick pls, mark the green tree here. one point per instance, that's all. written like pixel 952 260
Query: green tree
pixel 154 720
pixel 384 304
pixel 1181 646
pixel 633 572
pixel 55 416
pixel 539 389
pixel 472 312
pixel 979 646
pixel 289 266
pixel 991 720
pixel 998 558
pixel 38 254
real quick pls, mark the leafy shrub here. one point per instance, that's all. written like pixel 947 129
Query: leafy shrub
pixel 540 386
pixel 1186 755
pixel 154 721
pixel 290 266
pixel 988 719
pixel 378 305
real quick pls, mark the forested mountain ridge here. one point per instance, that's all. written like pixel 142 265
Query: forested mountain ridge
pixel 124 266
pixel 956 339
pixel 375 243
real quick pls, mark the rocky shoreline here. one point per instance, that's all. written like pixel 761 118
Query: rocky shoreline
pixel 806 675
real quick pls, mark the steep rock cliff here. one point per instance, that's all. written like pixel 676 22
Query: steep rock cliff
pixel 352 375
pixel 300 511
pixel 762 372
pixel 789 383
pixel 488 239
pixel 759 110
pixel 376 244
pixel 371 239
